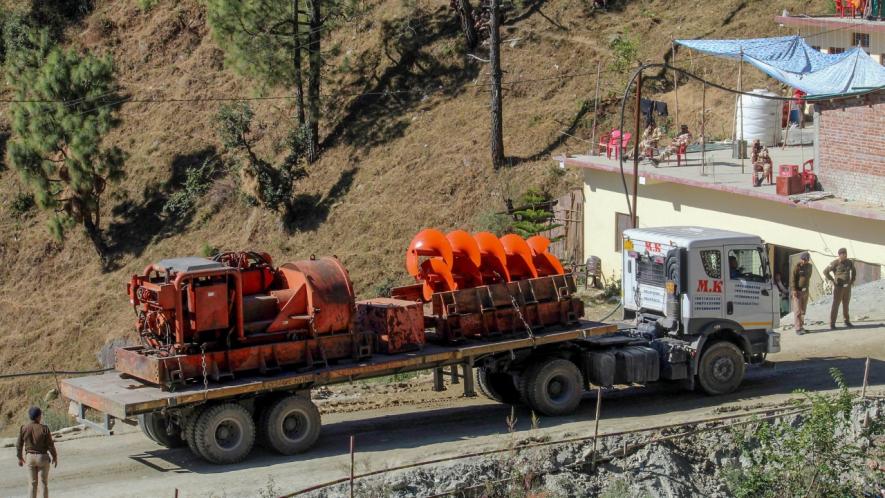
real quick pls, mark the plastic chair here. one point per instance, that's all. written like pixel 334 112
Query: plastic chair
pixel 619 142
pixel 680 153
pixel 613 138
pixel 604 140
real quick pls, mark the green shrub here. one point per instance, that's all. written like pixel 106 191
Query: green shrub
pixel 197 181
pixel 626 50
pixel 812 458
pixel 207 250
pixel 22 204
pixel 494 222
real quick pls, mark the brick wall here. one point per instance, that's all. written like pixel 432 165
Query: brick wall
pixel 851 148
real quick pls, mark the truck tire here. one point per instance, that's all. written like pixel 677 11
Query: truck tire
pixel 721 369
pixel 146 429
pixel 154 426
pixel 497 386
pixel 190 425
pixel 553 387
pixel 224 433
pixel 290 425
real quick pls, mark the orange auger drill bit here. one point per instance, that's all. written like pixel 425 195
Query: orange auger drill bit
pixel 519 257
pixel 546 263
pixel 435 271
pixel 493 259
pixel 467 259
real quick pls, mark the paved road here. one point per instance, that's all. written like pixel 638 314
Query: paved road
pixel 129 465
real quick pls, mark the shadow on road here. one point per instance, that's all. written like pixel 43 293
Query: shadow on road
pixel 377 433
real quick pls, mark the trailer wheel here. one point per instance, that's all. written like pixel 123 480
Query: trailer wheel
pixel 721 369
pixel 145 428
pixel 290 425
pixel 553 387
pixel 190 425
pixel 224 433
pixel 154 427
pixel 497 386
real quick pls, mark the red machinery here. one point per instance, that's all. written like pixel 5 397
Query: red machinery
pixel 483 286
pixel 792 181
pixel 237 312
pixel 202 319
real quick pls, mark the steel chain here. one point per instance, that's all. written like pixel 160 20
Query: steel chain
pixel 203 365
pixel 528 328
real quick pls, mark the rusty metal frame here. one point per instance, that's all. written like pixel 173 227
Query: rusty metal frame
pixel 125 398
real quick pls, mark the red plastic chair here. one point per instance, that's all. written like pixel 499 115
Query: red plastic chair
pixel 604 140
pixel 619 142
pixel 847 7
pixel 680 153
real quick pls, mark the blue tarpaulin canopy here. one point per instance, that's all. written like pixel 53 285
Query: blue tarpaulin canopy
pixel 790 60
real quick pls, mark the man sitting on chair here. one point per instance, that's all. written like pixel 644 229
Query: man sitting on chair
pixel 683 139
pixel 762 168
pixel 648 147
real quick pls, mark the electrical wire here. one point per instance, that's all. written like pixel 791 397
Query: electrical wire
pixel 54 372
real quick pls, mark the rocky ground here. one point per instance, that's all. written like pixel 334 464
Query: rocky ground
pixel 659 463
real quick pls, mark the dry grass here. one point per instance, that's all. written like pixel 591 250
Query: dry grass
pixel 397 165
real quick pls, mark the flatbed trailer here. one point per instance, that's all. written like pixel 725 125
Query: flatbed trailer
pixel 546 369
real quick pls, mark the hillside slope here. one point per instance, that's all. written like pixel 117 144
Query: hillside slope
pixel 405 146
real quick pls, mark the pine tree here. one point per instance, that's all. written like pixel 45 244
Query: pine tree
pixel 533 216
pixel 69 102
pixel 266 40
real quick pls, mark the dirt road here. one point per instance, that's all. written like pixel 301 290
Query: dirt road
pixel 129 465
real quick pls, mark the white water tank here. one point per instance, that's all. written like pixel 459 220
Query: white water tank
pixel 761 118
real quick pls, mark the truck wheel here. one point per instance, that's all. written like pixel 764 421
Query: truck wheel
pixel 721 369
pixel 224 433
pixel 553 387
pixel 290 425
pixel 190 425
pixel 145 428
pixel 497 386
pixel 154 426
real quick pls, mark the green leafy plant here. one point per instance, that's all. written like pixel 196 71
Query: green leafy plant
pixel 197 181
pixel 811 458
pixel 69 102
pixel 533 215
pixel 266 185
pixel 22 204
pixel 625 50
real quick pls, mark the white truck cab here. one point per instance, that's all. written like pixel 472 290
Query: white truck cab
pixel 701 285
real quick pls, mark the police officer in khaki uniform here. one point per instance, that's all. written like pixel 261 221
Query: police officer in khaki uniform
pixel 841 273
pixel 35 440
pixel 799 281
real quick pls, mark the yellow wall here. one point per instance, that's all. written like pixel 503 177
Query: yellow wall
pixel 663 204
pixel 841 38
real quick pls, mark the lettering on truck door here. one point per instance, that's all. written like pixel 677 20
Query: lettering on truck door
pixel 748 287
pixel 706 292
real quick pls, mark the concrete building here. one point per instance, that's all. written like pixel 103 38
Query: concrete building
pixel 833 34
pixel 717 191
pixel 719 195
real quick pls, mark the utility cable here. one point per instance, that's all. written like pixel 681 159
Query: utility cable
pixel 54 372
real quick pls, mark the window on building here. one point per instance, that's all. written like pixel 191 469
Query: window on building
pixel 622 222
pixel 862 39
pixel 746 264
pixel 835 50
pixel 712 260
pixel 816 47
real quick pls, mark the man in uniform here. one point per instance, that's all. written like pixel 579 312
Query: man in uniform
pixel 800 281
pixel 841 273
pixel 35 440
